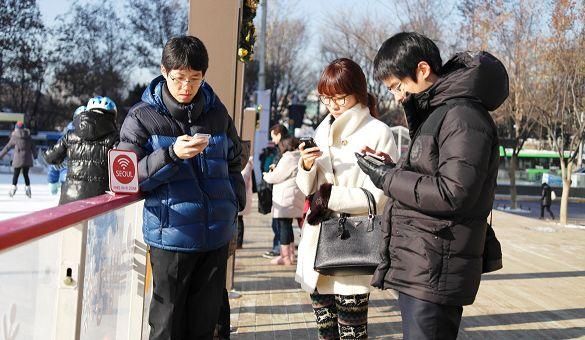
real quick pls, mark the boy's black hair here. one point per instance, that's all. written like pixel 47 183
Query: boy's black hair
pixel 400 54
pixel 185 52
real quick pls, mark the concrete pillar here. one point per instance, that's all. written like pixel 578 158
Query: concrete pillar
pixel 216 23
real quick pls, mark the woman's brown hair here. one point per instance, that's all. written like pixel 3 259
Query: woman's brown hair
pixel 288 144
pixel 344 76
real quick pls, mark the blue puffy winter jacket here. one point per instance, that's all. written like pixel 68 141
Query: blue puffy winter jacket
pixel 191 205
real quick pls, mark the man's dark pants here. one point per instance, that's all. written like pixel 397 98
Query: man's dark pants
pixel 426 320
pixel 187 293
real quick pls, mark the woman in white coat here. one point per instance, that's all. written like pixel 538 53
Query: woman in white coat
pixel 287 200
pixel 330 173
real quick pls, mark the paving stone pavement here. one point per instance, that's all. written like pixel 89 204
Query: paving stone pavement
pixel 539 294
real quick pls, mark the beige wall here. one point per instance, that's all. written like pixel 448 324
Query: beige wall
pixel 215 22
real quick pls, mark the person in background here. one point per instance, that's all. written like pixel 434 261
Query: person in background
pixel 546 200
pixel 57 173
pixel 86 148
pixel 22 158
pixel 248 166
pixel 287 198
pixel 269 158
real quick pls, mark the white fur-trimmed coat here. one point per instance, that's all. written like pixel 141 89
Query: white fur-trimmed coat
pixel 351 131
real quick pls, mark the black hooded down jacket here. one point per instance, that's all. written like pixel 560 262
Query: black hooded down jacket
pixel 436 221
pixel 87 148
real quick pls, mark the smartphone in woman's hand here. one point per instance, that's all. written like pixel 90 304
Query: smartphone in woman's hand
pixel 309 142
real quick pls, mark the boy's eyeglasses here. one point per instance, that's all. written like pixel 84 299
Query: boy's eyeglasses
pixel 186 82
pixel 327 100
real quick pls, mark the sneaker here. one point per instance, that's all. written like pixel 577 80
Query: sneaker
pixel 270 254
pixel 12 191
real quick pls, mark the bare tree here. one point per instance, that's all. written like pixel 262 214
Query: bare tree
pixel 22 58
pixel 511 31
pixel 152 23
pixel 91 55
pixel 288 74
pixel 562 104
pixel 480 19
pixel 359 40
pixel 428 17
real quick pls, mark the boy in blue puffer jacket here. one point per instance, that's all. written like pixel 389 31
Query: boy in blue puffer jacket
pixel 193 187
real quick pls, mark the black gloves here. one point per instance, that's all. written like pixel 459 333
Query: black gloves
pixel 319 210
pixel 377 170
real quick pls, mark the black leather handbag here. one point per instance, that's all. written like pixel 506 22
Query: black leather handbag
pixel 349 245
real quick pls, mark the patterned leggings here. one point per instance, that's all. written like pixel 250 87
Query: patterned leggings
pixel 341 316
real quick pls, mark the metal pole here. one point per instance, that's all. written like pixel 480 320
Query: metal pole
pixel 262 49
pixel 580 153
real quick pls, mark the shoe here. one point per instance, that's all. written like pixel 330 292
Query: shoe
pixel 27 191
pixel 12 191
pixel 270 254
pixel 284 258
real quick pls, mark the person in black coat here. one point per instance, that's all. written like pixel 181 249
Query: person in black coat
pixel 435 228
pixel 546 201
pixel 86 147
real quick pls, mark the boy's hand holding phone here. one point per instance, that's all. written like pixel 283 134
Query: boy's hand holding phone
pixel 186 146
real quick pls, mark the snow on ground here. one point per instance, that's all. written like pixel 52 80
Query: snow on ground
pixel 20 204
pixel 516 211
pixel 575 226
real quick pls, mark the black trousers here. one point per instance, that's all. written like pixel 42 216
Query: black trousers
pixel 423 320
pixel 16 174
pixel 240 241
pixel 187 293
pixel 547 207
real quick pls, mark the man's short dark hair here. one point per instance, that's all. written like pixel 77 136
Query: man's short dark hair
pixel 185 52
pixel 400 54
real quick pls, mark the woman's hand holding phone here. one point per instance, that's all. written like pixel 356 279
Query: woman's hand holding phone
pixel 309 152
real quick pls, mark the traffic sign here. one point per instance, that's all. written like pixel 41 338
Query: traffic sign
pixel 123 171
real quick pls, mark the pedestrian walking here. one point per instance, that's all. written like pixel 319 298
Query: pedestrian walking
pixel 546 200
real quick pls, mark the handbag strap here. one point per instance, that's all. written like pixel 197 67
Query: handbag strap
pixel 372 212
pixel 371 203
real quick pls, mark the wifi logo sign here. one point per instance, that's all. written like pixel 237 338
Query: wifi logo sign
pixel 124 169
pixel 123 162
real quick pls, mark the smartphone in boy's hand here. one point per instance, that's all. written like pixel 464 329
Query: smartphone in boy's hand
pixel 200 138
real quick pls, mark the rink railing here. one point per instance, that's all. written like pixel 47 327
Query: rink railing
pixel 77 271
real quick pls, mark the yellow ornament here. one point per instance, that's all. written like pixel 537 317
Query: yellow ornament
pixel 253 4
pixel 242 52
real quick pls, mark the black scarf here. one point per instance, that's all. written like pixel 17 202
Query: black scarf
pixel 417 107
pixel 183 112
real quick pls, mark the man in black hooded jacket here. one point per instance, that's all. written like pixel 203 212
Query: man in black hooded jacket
pixel 442 191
